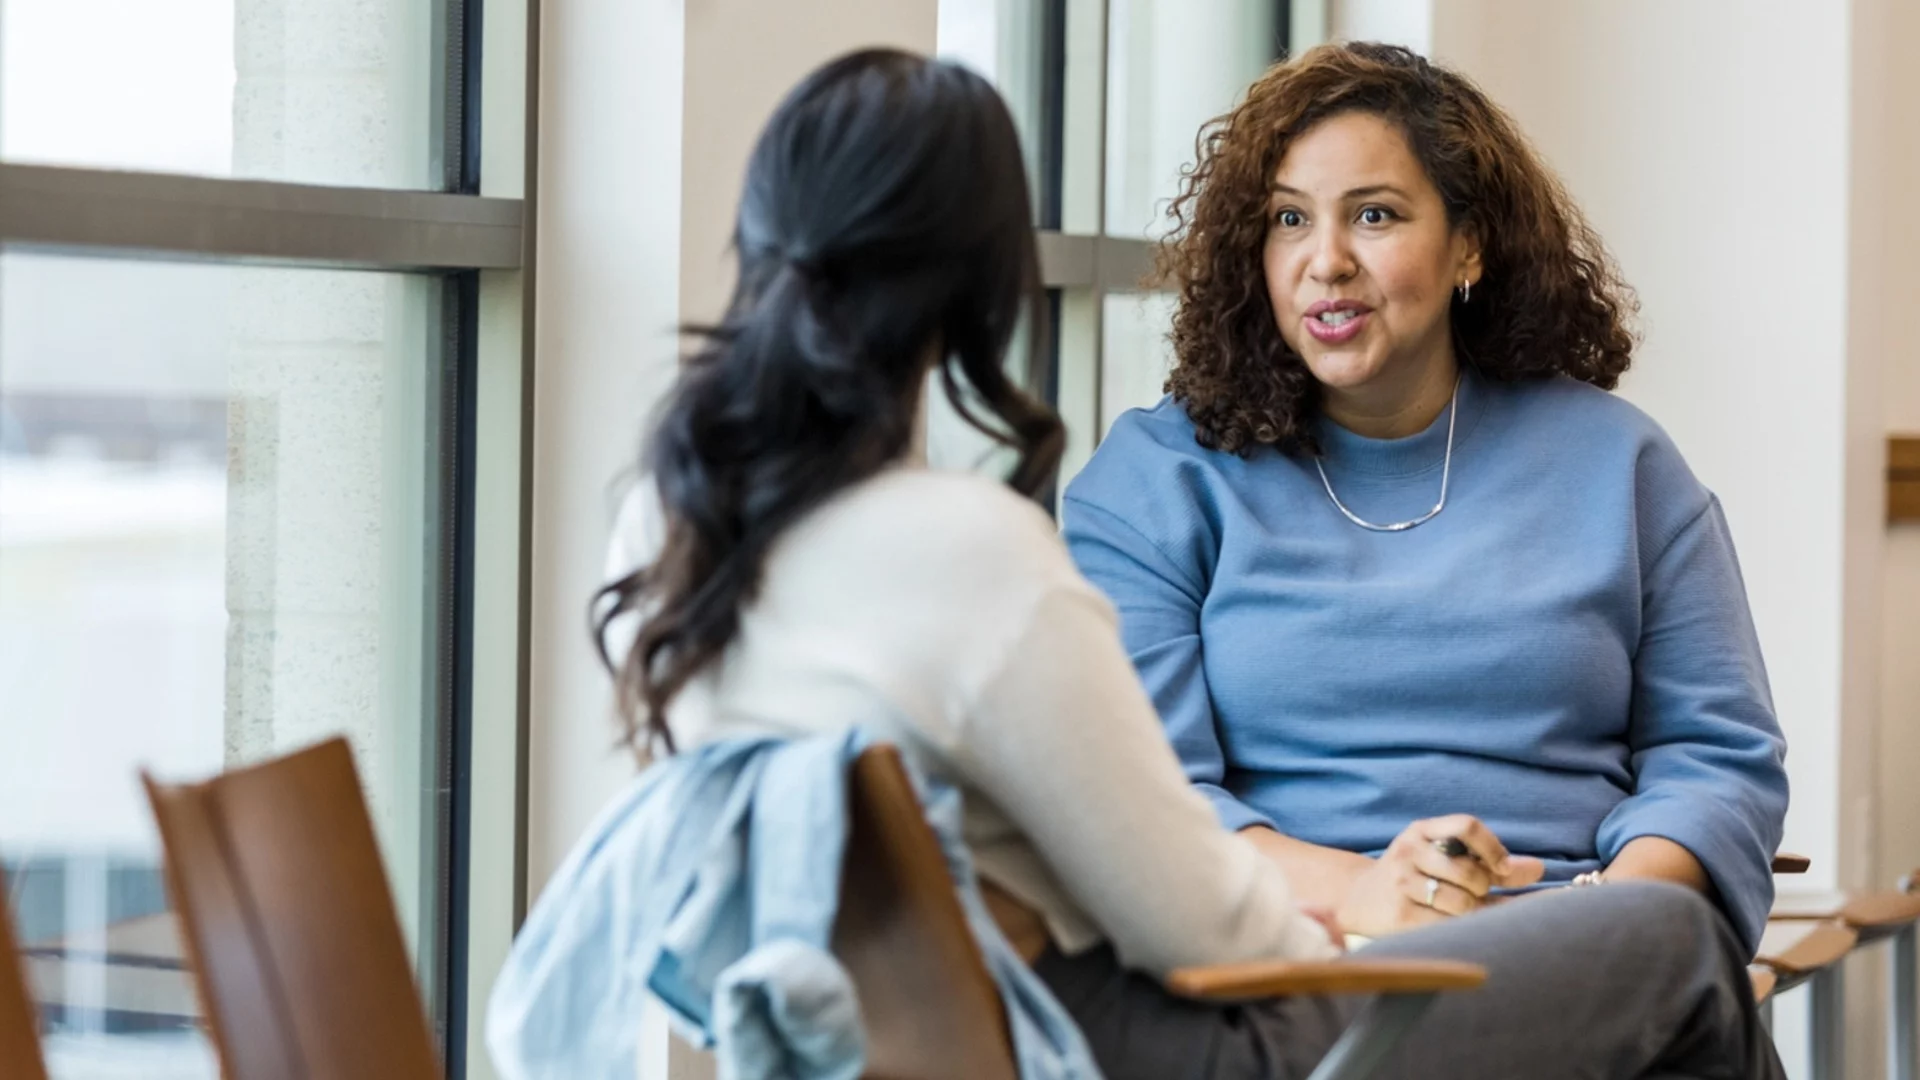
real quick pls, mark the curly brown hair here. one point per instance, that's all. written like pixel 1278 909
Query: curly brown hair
pixel 1551 301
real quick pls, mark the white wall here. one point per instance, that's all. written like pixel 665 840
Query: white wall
pixel 1395 22
pixel 1672 127
pixel 1744 161
pixel 1898 278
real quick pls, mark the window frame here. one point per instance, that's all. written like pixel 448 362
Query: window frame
pixel 1080 261
pixel 476 236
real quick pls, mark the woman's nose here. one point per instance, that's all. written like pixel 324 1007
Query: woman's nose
pixel 1332 258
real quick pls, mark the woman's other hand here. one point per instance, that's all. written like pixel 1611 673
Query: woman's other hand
pixel 1414 883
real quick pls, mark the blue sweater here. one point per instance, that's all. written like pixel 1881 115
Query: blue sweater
pixel 1565 652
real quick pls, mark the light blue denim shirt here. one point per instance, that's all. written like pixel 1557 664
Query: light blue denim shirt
pixel 712 883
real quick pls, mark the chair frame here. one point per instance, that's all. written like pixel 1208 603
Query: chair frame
pixel 1872 918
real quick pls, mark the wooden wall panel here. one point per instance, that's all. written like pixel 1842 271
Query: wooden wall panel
pixel 1903 478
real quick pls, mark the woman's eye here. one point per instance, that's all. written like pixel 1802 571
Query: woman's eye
pixel 1376 215
pixel 1291 219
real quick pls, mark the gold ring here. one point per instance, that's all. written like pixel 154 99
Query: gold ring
pixel 1433 890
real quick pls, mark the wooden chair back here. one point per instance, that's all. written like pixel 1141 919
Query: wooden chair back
pixel 19 1022
pixel 289 923
pixel 931 1010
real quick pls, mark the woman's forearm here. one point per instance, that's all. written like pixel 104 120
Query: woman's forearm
pixel 1655 858
pixel 1319 876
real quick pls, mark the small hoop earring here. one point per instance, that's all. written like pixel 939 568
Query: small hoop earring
pixel 1466 290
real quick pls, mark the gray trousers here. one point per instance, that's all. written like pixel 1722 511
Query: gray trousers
pixel 1627 980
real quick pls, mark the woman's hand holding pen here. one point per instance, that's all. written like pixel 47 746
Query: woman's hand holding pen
pixel 1435 869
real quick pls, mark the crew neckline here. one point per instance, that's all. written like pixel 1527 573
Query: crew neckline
pixel 1346 451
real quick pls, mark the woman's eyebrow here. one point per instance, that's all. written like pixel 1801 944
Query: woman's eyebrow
pixel 1355 193
pixel 1375 189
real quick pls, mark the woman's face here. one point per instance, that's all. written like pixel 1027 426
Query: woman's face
pixel 1361 263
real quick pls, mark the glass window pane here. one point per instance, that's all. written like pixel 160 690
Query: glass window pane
pixel 220 528
pixel 1006 41
pixel 1137 356
pixel 951 442
pixel 320 91
pixel 1172 65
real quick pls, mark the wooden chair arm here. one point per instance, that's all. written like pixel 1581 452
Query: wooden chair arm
pixel 1764 980
pixel 1794 947
pixel 1788 863
pixel 1878 910
pixel 1285 978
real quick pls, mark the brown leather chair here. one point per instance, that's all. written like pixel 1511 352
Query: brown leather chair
pixel 932 1011
pixel 19 1024
pixel 289 924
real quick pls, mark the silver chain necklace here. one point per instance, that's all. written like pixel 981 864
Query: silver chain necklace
pixel 1446 471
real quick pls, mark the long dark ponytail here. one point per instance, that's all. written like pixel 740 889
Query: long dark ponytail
pixel 885 224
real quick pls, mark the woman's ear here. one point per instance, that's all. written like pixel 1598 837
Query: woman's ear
pixel 1468 263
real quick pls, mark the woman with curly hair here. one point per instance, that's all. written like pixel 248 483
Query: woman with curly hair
pixel 1395 566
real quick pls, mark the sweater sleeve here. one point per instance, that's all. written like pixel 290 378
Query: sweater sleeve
pixel 1159 603
pixel 1707 753
pixel 1062 738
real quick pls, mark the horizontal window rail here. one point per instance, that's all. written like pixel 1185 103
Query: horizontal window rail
pixel 1113 263
pixel 194 217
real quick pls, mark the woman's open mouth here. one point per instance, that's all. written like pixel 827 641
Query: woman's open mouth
pixel 1332 322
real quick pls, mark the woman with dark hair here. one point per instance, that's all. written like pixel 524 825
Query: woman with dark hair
pixel 1391 561
pixel 792 568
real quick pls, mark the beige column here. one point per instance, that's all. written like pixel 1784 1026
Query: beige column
pixel 742 57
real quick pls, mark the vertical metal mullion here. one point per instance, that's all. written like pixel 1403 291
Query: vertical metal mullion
pixel 469 72
pixel 1053 112
pixel 1282 29
pixel 529 274
pixel 1827 1011
pixel 458 94
pixel 1081 68
pixel 1043 367
pixel 446 661
pixel 450 695
pixel 1099 300
pixel 1901 994
pixel 1048 387
pixel 462 358
pixel 460 97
